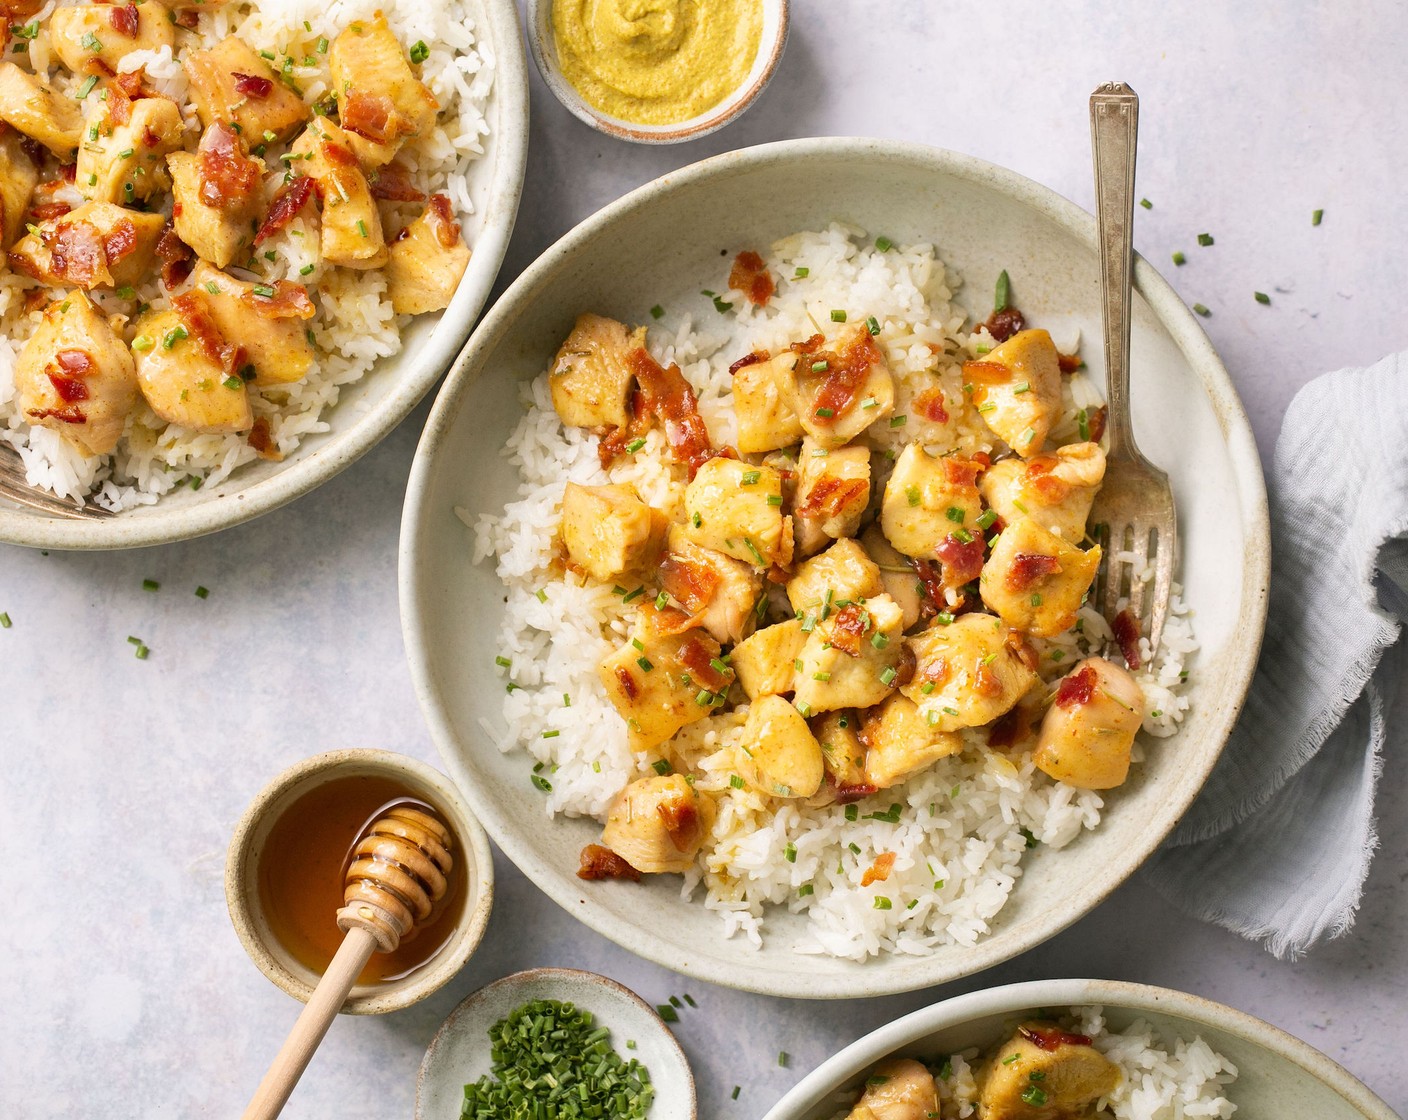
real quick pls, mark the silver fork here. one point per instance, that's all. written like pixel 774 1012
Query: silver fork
pixel 1135 503
pixel 15 487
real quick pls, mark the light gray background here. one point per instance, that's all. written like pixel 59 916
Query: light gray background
pixel 124 989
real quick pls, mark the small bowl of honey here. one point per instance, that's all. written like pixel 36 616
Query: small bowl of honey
pixel 289 857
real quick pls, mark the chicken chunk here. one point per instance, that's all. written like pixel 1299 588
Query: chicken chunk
pixel 1036 581
pixel 781 756
pixel 266 321
pixel 381 102
pixel 897 574
pixel 219 196
pixel 969 671
pixel 30 106
pixel 1089 730
pixel 591 377
pixel 842 753
pixel 18 178
pixel 851 659
pixel 95 245
pixel 75 375
pixel 657 825
pixel 183 382
pixel 230 82
pixel 764 661
pixel 926 499
pixel 841 574
pixel 736 508
pixel 426 261
pixel 765 402
pixel 720 593
pixel 94 38
pixel 1045 1073
pixel 1017 390
pixel 351 234
pixel 122 162
pixel 900 741
pixel 833 491
pixel 843 390
pixel 661 681
pixel 898 1089
pixel 609 531
pixel 1055 491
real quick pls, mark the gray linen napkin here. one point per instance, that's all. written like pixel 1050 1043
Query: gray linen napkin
pixel 1277 845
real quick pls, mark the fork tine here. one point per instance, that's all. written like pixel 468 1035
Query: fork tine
pixel 1114 569
pixel 1140 548
pixel 15 487
pixel 1165 559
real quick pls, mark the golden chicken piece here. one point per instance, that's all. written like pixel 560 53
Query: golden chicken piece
pixel 833 491
pixel 781 756
pixel 851 658
pixel 842 391
pixel 1036 581
pixel 1089 730
pixel 18 178
pixel 351 233
pixel 1045 1073
pixel 842 752
pixel 928 498
pixel 182 381
pixel 218 194
pixel 901 741
pixel 736 508
pixel 897 575
pixel 764 660
pixel 591 377
pixel 898 1089
pixel 266 321
pixel 765 403
pixel 718 592
pixel 426 261
pixel 123 162
pixel 841 574
pixel 74 375
pixel 381 102
pixel 657 825
pixel 1055 491
pixel 608 531
pixel 85 34
pixel 968 672
pixel 32 107
pixel 230 82
pixel 1017 390
pixel 95 245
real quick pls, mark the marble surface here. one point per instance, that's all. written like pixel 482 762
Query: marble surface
pixel 125 988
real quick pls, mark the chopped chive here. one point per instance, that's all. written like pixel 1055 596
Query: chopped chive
pixel 749 478
pixel 1315 217
pixel 882 903
pixel 141 653
pixel 322 45
pixel 1261 297
pixel 735 781
pixel 873 324
pixel 821 366
pixel 126 153
pixel 803 708
pixel 657 312
pixel 551 734
pixel 636 594
pixel 202 593
pixel 150 585
pixel 802 272
pixel 739 1088
pixel 142 344
pixel 1201 310
pixel 838 316
pixel 539 782
pixel 1205 239
pixel 644 663
pixel 789 853
pixel 774 499
pixel 825 413
pixel 956 515
pixel 1179 258
pixel 86 88
pixel 911 494
pixel 5 622
pixel 419 51
pixel 503 662
pixel 888 676
pixel 635 445
pixel 898 421
pixel 661 766
pixel 884 244
pixel 361 227
pixel 1002 292
pixel 305 270
pixel 668 1013
pixel 1144 202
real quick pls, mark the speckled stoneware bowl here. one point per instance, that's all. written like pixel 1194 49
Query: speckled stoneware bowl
pixel 460 1050
pixel 247 848
pixel 776 15
pixel 661 245
pixel 1278 1075
pixel 367 410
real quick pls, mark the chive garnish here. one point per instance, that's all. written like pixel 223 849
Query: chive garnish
pixel 838 316
pixel 1205 239
pixel 1261 297
pixel 1179 258
pixel 1144 202
pixel 1315 217
pixel 657 311
pixel 1201 310
pixel 5 622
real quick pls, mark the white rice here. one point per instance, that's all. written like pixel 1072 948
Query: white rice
pixel 966 822
pixel 355 326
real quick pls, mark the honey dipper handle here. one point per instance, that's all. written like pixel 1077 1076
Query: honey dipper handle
pixel 297 1051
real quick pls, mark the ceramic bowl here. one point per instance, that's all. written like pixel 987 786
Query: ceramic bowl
pixel 367 410
pixel 661 245
pixel 776 14
pixel 459 1052
pixel 247 848
pixel 1278 1075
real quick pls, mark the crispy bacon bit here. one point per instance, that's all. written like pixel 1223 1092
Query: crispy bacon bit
pixel 1095 421
pixel 189 18
pixel 696 655
pixel 960 561
pixel 986 373
pixel 195 315
pixel 961 472
pixel 68 172
pixel 1038 477
pixel 289 301
pixel 852 624
pixel 1003 324
pixel 602 863
pixel 986 682
pixel 688 583
pixel 339 153
pixel 930 405
pixel 368 114
pixel 846 373
pixel 293 196
pixel 1029 567
pixel 750 277
pixel 70 389
pixel 124 20
pixel 441 216
pixel 69 415
pixel 392 183
pixel 36 299
pixel 262 441
pixel 1069 363
pixel 680 816
pixel 251 85
pixel 1077 687
pixel 931 588
pixel 808 346
pixel 1050 1038
pixel 879 871
pixel 176 257
pixel 845 795
pixel 1012 728
pixel 228 177
pixel 667 395
pixel 48 211
pixel 748 360
pixel 77 253
pixel 830 496
pixel 120 241
pixel 627 682
pixel 905 666
pixel 1126 628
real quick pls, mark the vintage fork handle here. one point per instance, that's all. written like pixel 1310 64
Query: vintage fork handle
pixel 1114 129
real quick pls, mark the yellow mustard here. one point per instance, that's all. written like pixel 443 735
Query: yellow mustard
pixel 656 61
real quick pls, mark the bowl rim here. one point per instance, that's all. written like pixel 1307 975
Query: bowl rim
pixel 539 35
pixel 310 472
pixel 1245 643
pixel 853 1059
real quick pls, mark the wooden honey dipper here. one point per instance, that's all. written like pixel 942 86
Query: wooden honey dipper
pixel 398 873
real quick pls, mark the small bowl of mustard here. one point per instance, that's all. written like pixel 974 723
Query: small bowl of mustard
pixel 657 71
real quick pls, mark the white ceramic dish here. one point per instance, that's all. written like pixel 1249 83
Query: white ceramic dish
pixel 1278 1075
pixel 460 1050
pixel 372 407
pixel 776 16
pixel 661 245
